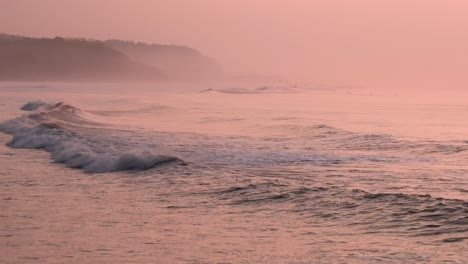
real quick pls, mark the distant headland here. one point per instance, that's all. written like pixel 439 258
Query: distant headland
pixel 72 59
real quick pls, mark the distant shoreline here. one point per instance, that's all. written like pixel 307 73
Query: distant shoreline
pixel 58 59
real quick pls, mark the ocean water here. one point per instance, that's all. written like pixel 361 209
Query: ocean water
pixel 143 174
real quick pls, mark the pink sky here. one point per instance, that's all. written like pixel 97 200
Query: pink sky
pixel 374 43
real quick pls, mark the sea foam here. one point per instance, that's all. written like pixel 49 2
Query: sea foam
pixel 55 129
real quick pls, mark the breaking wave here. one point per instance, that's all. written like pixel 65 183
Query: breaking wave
pixel 58 129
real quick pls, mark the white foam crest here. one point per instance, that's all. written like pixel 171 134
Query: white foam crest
pixel 91 154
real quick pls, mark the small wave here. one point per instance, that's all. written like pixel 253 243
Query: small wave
pixel 305 131
pixel 60 113
pixel 38 104
pixel 259 90
pixel 140 110
pixel 54 129
pixel 410 214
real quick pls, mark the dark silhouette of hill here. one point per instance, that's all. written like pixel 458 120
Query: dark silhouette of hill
pixel 59 59
pixel 29 59
pixel 177 62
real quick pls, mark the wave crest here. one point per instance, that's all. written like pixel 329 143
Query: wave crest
pixel 57 129
pixel 38 104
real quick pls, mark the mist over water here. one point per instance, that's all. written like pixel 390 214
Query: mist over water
pixel 267 175
pixel 396 45
pixel 246 131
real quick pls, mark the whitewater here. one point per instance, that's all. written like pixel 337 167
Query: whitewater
pixel 145 173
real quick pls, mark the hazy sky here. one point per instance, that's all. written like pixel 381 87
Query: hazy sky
pixel 378 43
